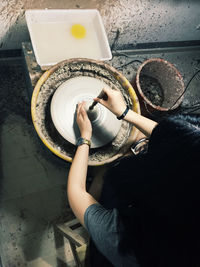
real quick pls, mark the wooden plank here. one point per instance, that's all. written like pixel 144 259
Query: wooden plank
pixel 74 231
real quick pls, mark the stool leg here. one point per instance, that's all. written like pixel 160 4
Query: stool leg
pixel 76 258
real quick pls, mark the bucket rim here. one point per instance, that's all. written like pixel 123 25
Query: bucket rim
pixel 144 98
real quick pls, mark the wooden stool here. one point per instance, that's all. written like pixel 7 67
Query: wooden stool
pixel 78 238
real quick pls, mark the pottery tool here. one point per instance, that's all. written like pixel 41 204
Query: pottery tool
pixel 102 95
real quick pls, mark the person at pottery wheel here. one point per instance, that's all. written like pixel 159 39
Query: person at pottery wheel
pixel 147 213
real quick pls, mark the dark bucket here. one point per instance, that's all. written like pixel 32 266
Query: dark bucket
pixel 159 85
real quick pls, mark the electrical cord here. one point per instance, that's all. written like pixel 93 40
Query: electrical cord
pixel 115 39
pixel 194 75
pixel 117 53
pixel 132 61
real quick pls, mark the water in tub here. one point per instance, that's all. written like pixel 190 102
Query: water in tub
pixel 58 41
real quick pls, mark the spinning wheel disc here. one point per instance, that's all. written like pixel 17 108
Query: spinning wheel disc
pixel 63 111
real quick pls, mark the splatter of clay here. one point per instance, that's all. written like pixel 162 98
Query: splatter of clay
pixel 78 31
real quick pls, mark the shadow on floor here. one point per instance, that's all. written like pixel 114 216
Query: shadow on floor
pixel 32 184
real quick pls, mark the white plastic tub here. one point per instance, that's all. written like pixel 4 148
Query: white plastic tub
pixel 60 34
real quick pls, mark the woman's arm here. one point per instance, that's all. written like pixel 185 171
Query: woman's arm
pixel 143 124
pixel 79 199
pixel 116 104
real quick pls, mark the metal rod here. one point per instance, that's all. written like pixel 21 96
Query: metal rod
pixel 102 95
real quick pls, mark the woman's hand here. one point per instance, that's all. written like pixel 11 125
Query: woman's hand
pixel 115 102
pixel 83 121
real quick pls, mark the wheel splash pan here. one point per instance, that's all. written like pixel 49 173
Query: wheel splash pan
pixel 41 100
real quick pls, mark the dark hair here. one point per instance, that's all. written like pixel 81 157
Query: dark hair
pixel 158 195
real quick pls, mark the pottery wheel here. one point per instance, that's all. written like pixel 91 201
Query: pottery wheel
pixel 105 125
pixel 109 142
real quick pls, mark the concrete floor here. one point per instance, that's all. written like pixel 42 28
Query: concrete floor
pixel 32 183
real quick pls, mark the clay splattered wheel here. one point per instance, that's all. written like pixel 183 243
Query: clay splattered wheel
pixel 52 80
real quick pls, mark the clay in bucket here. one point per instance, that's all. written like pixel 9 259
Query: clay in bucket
pixel 159 85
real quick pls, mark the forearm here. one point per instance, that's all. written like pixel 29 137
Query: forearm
pixel 116 104
pixel 78 170
pixel 78 198
pixel 143 124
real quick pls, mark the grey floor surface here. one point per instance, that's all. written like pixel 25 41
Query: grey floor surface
pixel 32 183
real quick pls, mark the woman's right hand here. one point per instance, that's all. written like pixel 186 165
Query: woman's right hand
pixel 115 102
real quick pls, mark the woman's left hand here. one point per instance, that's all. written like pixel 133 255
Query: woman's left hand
pixel 83 121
